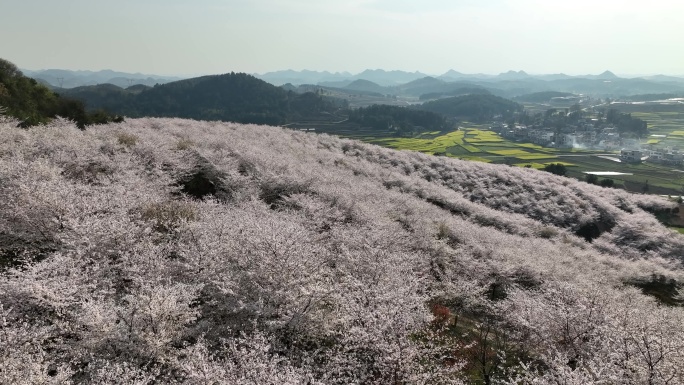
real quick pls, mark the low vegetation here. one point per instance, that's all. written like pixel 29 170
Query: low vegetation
pixel 253 254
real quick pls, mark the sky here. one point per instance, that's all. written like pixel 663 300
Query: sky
pixel 197 37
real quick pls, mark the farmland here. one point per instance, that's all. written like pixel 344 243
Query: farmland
pixel 666 128
pixel 478 143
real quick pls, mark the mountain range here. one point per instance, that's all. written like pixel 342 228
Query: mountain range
pixel 400 83
pixel 70 79
pixel 60 78
pixel 394 78
pixel 508 84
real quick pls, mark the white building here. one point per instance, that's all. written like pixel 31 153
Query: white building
pixel 630 156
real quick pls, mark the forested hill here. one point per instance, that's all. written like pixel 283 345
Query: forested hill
pixel 33 103
pixel 170 251
pixel 473 107
pixel 235 97
pixel 404 121
pixel 242 98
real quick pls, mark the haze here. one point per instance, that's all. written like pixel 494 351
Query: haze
pixel 174 37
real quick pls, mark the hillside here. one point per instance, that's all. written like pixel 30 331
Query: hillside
pixel 187 252
pixel 388 78
pixel 473 107
pixel 430 85
pixel 404 121
pixel 103 96
pixel 229 97
pixel 34 103
pixel 365 85
pixel 454 92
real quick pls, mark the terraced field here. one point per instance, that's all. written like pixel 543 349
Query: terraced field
pixel 478 143
pixel 666 128
pixel 473 143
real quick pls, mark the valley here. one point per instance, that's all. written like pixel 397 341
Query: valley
pixel 224 229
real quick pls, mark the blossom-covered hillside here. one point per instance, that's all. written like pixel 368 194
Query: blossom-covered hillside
pixel 175 251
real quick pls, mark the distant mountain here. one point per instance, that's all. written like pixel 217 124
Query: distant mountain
pixel 366 85
pixel 513 75
pixel 553 76
pixel 230 97
pixel 452 74
pixel 541 97
pixel 605 86
pixel 427 81
pixel 605 75
pixel 374 85
pixel 389 78
pixel 506 84
pixel 665 78
pixel 420 86
pixel 340 92
pixel 339 79
pixel 302 77
pixel 612 87
pixel 138 88
pixel 435 87
pixel 334 84
pixel 454 92
pixel 70 79
pixel 288 87
pixel 652 97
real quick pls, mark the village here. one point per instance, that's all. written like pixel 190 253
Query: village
pixel 591 133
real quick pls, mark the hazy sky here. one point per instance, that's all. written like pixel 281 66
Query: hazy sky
pixel 192 37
